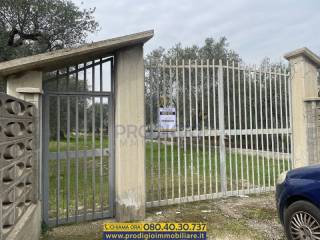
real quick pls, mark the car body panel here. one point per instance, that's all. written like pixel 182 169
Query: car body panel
pixel 310 172
pixel 299 184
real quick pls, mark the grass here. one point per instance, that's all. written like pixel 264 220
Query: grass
pixel 88 178
pixel 163 170
pixel 164 174
pixel 53 146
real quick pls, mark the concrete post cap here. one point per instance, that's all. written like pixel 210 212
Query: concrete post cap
pixel 305 52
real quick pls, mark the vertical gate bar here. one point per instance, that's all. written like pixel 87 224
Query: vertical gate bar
pixel 58 162
pixel 68 158
pixel 290 120
pixel 93 114
pixel 178 120
pixel 85 157
pixel 215 125
pixel 111 161
pixel 45 165
pixel 250 122
pixel 101 139
pixel 276 80
pixel 172 168
pixel 281 118
pixel 184 129
pixel 85 76
pixel 77 160
pixel 166 135
pixel 159 140
pixel 267 125
pixel 58 159
pixel 101 79
pixel 286 115
pixel 77 149
pixel 272 140
pixel 111 144
pixel 172 147
pixel 85 143
pixel 209 127
pixel 222 130
pixel 93 76
pixel 191 128
pixel 166 166
pixel 240 126
pixel 151 69
pixel 58 80
pixel 256 127
pixel 68 77
pixel 101 155
pixel 229 126
pixel 235 126
pixel 77 77
pixel 203 131
pixel 262 129
pixel 197 124
pixel 246 127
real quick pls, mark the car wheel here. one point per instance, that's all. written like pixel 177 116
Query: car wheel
pixel 302 221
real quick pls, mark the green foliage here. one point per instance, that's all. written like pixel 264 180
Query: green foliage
pixel 156 77
pixel 211 49
pixel 34 26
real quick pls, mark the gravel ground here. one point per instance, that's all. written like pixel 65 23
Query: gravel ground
pixel 251 217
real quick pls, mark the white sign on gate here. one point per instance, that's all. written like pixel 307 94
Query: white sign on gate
pixel 167 119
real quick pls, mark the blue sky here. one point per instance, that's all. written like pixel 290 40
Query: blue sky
pixel 254 28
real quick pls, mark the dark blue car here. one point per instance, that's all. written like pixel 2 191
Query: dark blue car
pixel 298 203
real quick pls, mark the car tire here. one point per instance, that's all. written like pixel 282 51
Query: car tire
pixel 302 220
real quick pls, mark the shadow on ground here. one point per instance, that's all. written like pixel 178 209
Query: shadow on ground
pixel 251 217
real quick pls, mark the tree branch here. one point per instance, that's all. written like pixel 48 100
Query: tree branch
pixel 13 32
pixel 23 36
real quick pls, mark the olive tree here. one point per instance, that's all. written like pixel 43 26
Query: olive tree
pixel 30 27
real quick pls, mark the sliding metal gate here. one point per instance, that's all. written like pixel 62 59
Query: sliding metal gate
pixel 232 134
pixel 78 167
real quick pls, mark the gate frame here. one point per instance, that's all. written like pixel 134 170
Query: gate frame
pixel 111 146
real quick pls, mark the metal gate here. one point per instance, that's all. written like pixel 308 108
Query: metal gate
pixel 78 166
pixel 231 134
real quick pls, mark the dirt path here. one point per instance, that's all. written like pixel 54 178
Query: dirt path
pixel 245 218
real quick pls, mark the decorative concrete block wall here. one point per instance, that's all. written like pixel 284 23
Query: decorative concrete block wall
pixel 17 161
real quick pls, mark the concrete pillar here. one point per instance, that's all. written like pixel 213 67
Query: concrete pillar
pixel 129 136
pixel 28 87
pixel 304 66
